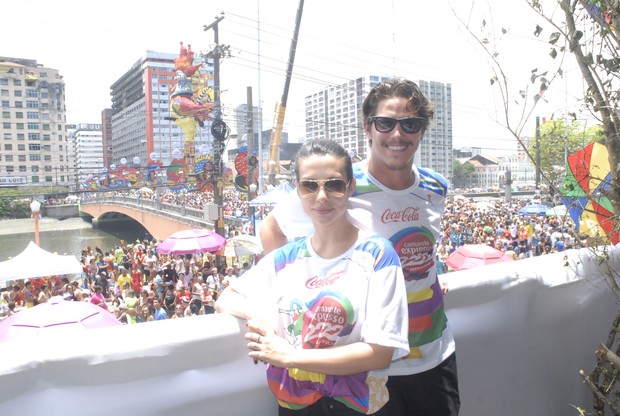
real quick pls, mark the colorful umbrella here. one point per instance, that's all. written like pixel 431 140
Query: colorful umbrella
pixel 243 245
pixel 475 255
pixel 588 177
pixel 57 316
pixel 192 241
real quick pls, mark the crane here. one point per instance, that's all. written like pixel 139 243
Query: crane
pixel 276 132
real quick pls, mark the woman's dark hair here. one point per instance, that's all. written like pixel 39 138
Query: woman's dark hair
pixel 398 87
pixel 324 147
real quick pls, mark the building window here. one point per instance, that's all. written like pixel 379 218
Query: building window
pixel 47 168
pixel 6 125
pixel 22 168
pixel 6 104
pixel 35 157
pixel 4 93
pixel 34 136
pixel 35 179
pixel 47 158
pixel 32 104
pixel 19 126
pixel 47 148
pixel 4 81
pixel 32 115
pixel 21 147
pixel 34 147
pixel 19 104
pixel 19 114
pixel 32 93
pixel 17 93
pixel 21 158
pixel 7 136
pixel 34 168
pixel 34 126
pixel 17 82
pixel 10 169
pixel 49 179
pixel 6 114
pixel 8 158
pixel 8 147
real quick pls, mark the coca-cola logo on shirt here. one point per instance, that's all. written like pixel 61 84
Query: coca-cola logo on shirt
pixel 408 214
pixel 316 282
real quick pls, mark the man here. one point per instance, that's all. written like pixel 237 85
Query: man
pixel 404 203
pixel 160 312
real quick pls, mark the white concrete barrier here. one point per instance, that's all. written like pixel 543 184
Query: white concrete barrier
pixel 523 332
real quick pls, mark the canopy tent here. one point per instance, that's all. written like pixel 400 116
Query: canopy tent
pixel 274 195
pixel 36 262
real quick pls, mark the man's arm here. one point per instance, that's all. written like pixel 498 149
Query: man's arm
pixel 271 235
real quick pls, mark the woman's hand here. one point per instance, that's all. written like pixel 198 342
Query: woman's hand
pixel 267 347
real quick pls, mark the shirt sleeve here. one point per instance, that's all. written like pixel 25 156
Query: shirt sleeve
pixel 292 219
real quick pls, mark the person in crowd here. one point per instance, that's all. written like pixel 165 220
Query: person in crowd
pixel 98 299
pixel 29 296
pixel 124 278
pixel 136 277
pixel 159 313
pixel 339 297
pixel 404 203
pixel 177 312
pixel 169 298
pixel 17 295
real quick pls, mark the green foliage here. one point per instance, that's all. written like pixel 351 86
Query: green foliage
pixel 461 172
pixel 558 140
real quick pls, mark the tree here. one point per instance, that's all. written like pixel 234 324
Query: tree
pixel 461 172
pixel 586 32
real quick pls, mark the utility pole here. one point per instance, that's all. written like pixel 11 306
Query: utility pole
pixel 252 161
pixel 537 153
pixel 219 129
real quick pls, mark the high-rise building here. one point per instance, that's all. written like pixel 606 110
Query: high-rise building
pixel 106 133
pixel 87 145
pixel 34 143
pixel 141 119
pixel 336 113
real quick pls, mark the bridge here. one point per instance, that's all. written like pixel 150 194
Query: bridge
pixel 158 218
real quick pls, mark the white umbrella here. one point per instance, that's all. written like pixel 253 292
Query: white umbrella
pixel 243 245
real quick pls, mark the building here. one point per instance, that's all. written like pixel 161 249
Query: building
pixel 141 121
pixel 34 142
pixel 336 113
pixel 106 135
pixel 87 150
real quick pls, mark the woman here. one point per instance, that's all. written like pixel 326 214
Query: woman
pixel 325 311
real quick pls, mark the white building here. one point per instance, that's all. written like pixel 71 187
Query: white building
pixel 34 143
pixel 87 149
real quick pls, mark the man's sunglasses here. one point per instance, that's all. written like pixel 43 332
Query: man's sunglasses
pixel 335 187
pixel 386 124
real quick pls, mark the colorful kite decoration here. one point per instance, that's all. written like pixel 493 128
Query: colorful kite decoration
pixel 587 179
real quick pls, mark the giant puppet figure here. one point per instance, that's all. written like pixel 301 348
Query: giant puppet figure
pixel 191 99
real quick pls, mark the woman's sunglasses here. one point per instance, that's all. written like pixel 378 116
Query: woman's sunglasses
pixel 386 124
pixel 335 187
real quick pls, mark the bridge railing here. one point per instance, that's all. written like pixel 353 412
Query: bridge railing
pixel 173 210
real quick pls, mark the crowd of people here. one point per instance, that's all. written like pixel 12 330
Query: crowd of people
pixel 500 225
pixel 134 282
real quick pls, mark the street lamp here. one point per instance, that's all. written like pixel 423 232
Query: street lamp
pixel 35 207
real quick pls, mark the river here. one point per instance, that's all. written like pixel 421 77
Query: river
pixel 67 236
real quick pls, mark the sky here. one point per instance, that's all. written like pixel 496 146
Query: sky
pixel 93 46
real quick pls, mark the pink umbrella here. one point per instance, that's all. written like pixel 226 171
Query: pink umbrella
pixel 56 316
pixel 475 255
pixel 192 241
